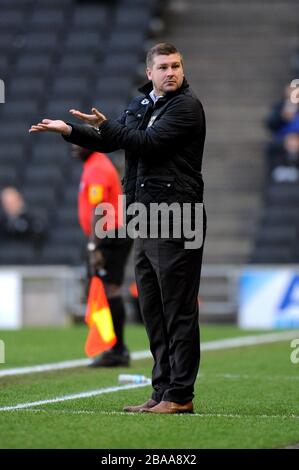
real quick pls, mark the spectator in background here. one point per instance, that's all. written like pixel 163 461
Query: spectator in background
pixel 285 161
pixel 283 121
pixel 107 257
pixel 283 113
pixel 16 221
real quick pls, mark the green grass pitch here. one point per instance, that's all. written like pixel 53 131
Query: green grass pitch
pixel 246 397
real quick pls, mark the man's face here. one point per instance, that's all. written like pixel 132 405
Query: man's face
pixel 166 73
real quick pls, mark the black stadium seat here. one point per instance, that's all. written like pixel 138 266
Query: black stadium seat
pixel 272 255
pixel 25 87
pixel 87 40
pixel 90 16
pixel 48 175
pixel 42 198
pixel 47 19
pixel 8 175
pixel 61 254
pixel 55 156
pixel 33 63
pixel 13 153
pixel 11 19
pixel 78 62
pixel 276 240
pixel 41 41
pixel 16 253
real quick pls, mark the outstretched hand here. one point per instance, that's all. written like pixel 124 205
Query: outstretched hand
pixel 95 119
pixel 48 125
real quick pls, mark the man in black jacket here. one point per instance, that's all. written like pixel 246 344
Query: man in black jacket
pixel 163 134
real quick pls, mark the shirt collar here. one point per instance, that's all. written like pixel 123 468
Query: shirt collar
pixel 154 97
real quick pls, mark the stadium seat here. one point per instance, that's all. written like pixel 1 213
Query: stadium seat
pixel 125 40
pixel 7 40
pixel 278 235
pixel 55 155
pixel 16 252
pixel 114 86
pixel 65 236
pixel 61 254
pixel 11 19
pixel 277 216
pixel 3 66
pixel 18 109
pixel 59 109
pixel 13 153
pixel 81 62
pixel 283 193
pixel 272 255
pixel 47 19
pixel 25 87
pixel 16 132
pixel 90 16
pixel 78 41
pixel 41 41
pixel 33 63
pixel 71 86
pixel 131 16
pixel 121 63
pixel 39 198
pixel 68 216
pixel 48 175
pixel 8 175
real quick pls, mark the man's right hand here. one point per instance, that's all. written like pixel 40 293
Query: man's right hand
pixel 95 119
pixel 47 125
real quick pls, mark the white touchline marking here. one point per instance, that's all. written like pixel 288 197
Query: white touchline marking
pixel 74 396
pixel 123 413
pixel 222 344
pixel 138 355
pixel 249 377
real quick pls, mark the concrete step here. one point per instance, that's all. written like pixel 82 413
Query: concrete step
pixel 232 51
pixel 230 245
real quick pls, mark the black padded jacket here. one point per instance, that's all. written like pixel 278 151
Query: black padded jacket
pixel 163 144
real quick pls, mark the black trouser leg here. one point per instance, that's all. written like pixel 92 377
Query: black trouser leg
pixel 180 271
pixel 153 316
pixel 168 278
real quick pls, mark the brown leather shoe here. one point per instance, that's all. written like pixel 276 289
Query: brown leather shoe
pixel 139 408
pixel 170 407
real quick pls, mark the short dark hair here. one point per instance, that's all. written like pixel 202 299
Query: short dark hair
pixel 163 48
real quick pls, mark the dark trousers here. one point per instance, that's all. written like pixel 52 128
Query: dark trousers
pixel 168 278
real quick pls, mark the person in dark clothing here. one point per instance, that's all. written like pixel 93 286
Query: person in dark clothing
pixel 283 113
pixel 16 221
pixel 100 184
pixel 163 134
